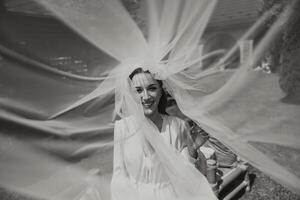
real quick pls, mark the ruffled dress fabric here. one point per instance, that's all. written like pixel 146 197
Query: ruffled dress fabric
pixel 138 172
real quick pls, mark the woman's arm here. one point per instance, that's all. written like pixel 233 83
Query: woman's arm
pixel 195 157
pixel 195 138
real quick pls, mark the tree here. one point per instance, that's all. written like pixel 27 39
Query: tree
pixel 285 51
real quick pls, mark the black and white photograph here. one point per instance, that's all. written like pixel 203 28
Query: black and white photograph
pixel 149 100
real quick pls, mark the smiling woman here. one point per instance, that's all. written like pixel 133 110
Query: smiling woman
pixel 153 96
pixel 139 170
pixel 240 107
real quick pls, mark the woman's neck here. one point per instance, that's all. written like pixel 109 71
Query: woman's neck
pixel 157 119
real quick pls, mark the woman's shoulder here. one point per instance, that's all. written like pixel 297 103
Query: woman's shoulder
pixel 178 130
pixel 176 122
pixel 125 120
pixel 127 124
pixel 121 127
pixel 175 119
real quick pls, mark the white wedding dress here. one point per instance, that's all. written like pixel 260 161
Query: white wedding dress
pixel 138 172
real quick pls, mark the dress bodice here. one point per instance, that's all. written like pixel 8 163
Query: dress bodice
pixel 142 162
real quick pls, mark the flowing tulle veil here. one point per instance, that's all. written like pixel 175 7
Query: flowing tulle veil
pixel 240 107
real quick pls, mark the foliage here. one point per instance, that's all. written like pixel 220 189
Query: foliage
pixel 284 52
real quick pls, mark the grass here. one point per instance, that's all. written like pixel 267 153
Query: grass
pixel 264 188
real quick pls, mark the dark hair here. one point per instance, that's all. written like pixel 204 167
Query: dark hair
pixel 162 104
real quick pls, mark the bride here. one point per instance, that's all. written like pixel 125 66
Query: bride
pixel 137 169
pixel 153 152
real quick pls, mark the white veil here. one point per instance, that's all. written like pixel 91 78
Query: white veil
pixel 240 107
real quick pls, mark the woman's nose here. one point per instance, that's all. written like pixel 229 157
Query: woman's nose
pixel 145 94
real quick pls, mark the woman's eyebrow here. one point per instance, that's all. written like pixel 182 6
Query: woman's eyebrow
pixel 153 84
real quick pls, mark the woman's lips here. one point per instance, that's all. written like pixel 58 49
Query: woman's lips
pixel 148 104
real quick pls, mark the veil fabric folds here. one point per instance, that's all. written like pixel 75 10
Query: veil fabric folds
pixel 67 119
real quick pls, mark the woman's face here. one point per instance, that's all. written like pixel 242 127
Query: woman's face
pixel 149 92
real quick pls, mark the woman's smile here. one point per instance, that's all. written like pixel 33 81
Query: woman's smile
pixel 148 103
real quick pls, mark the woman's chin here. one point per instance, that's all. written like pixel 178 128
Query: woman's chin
pixel 148 112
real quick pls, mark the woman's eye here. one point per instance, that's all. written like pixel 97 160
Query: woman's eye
pixel 152 88
pixel 139 90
